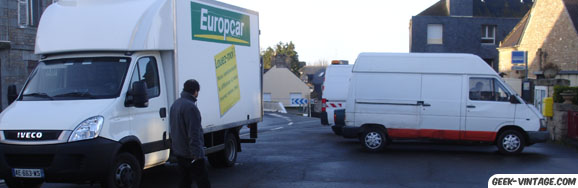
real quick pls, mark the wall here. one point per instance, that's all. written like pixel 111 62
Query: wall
pixel 460 35
pixel 280 82
pixel 551 30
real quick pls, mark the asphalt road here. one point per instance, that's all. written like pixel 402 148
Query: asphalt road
pixel 294 151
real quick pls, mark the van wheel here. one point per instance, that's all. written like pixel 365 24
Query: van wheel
pixel 373 139
pixel 228 156
pixel 126 172
pixel 510 142
pixel 19 183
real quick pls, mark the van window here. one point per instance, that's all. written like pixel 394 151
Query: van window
pixel 146 70
pixel 487 89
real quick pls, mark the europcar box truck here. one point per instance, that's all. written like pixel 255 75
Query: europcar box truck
pixel 96 107
pixel 436 96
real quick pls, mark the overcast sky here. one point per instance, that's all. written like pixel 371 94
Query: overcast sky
pixel 334 29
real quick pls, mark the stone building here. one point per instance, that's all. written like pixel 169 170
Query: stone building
pixel 548 33
pixel 466 26
pixel 18 23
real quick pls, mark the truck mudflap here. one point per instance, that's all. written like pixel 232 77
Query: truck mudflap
pixel 80 161
pixel 537 136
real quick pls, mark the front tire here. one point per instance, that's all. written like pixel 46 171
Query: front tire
pixel 228 156
pixel 511 142
pixel 373 139
pixel 126 172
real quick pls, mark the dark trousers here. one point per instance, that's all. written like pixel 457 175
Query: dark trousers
pixel 196 170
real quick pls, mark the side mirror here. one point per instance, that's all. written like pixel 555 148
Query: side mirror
pixel 139 94
pixel 514 100
pixel 12 94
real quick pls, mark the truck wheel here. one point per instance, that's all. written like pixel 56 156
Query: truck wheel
pixel 373 139
pixel 18 183
pixel 510 142
pixel 126 172
pixel 228 156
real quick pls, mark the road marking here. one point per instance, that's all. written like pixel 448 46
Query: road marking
pixel 276 128
pixel 290 123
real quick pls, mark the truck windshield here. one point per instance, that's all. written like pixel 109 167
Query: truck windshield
pixel 77 79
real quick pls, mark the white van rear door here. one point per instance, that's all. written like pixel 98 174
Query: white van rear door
pixel 487 108
pixel 441 108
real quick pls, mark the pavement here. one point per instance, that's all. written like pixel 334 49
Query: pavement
pixel 297 151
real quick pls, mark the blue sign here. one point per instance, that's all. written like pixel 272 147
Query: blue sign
pixel 518 57
pixel 298 101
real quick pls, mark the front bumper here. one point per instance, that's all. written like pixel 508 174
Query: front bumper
pixel 68 162
pixel 537 136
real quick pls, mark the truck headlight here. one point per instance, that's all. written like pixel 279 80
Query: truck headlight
pixel 88 129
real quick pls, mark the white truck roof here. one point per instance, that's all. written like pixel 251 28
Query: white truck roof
pixel 127 25
pixel 441 63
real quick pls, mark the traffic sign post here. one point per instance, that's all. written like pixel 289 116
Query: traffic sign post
pixel 520 61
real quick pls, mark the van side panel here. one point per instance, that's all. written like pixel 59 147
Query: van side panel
pixel 440 114
pixel 389 100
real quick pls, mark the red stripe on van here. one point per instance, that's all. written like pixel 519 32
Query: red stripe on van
pixel 442 134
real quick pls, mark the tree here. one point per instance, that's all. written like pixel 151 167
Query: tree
pixel 284 53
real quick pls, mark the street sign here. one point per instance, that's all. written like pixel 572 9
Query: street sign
pixel 519 67
pixel 298 101
pixel 519 57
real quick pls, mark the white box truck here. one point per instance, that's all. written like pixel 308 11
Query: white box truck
pixel 334 89
pixel 436 96
pixel 95 108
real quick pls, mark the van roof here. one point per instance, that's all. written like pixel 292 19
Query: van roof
pixel 440 63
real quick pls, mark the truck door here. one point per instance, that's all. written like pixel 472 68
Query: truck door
pixel 487 108
pixel 441 106
pixel 150 124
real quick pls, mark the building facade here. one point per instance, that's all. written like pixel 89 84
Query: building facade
pixel 466 26
pixel 18 23
pixel 548 33
pixel 281 85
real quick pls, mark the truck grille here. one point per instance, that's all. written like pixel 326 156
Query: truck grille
pixel 32 135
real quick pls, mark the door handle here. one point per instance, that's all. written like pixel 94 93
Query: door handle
pixel 423 103
pixel 163 112
pixel 471 106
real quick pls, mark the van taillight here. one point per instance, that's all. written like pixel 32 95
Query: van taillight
pixel 323 105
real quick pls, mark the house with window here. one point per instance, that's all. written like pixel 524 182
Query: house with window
pixel 281 85
pixel 466 26
pixel 548 34
pixel 18 23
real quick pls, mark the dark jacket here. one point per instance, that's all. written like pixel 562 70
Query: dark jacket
pixel 186 130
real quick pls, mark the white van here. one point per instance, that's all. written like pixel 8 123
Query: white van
pixel 436 96
pixel 334 93
pixel 96 107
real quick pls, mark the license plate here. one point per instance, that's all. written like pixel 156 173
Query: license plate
pixel 27 173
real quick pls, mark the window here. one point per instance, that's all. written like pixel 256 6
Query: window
pixel 435 33
pixel 488 34
pixel 267 97
pixel 487 89
pixel 146 70
pixel 29 12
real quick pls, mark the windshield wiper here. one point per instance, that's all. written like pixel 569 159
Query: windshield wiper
pixel 76 94
pixel 41 95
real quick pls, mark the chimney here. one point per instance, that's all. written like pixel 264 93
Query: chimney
pixel 460 7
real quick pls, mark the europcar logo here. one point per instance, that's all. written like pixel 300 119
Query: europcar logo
pixel 217 25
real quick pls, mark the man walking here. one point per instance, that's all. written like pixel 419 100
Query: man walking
pixel 187 137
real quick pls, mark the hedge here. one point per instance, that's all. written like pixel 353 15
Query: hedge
pixel 562 89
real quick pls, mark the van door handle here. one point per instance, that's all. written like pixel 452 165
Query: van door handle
pixel 423 103
pixel 163 112
pixel 471 106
